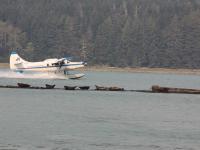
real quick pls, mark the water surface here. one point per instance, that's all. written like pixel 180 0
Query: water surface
pixel 92 120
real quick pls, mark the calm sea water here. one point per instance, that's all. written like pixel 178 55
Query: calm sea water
pixel 78 120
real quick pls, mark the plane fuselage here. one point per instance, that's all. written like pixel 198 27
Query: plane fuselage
pixel 48 65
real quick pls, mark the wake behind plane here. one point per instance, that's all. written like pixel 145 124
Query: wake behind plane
pixel 51 66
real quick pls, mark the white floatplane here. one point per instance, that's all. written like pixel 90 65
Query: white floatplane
pixel 51 66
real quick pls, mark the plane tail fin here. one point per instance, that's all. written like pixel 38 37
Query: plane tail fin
pixel 16 61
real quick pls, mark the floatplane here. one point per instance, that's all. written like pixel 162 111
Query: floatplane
pixel 58 67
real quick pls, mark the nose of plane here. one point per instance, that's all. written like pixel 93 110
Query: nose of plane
pixel 84 63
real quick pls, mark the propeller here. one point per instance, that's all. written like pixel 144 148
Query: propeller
pixel 61 62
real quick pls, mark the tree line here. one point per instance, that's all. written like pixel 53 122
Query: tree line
pixel 121 33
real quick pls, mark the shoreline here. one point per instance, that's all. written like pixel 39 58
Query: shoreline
pixel 142 70
pixel 4 65
pixel 131 70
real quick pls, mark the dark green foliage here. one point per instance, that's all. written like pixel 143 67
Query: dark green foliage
pixel 135 33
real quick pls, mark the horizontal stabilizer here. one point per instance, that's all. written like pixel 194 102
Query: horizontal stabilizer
pixel 18 63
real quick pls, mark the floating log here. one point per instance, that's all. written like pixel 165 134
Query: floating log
pixel 8 86
pixel 116 89
pixel 102 88
pixel 84 87
pixel 158 89
pixel 70 87
pixel 155 88
pixel 22 85
pixel 36 87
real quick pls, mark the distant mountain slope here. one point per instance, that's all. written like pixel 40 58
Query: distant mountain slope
pixel 135 33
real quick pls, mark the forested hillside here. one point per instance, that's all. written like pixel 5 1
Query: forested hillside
pixel 135 33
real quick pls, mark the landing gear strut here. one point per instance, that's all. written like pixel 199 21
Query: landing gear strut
pixel 66 72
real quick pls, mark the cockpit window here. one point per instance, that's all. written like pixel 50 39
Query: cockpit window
pixel 55 64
